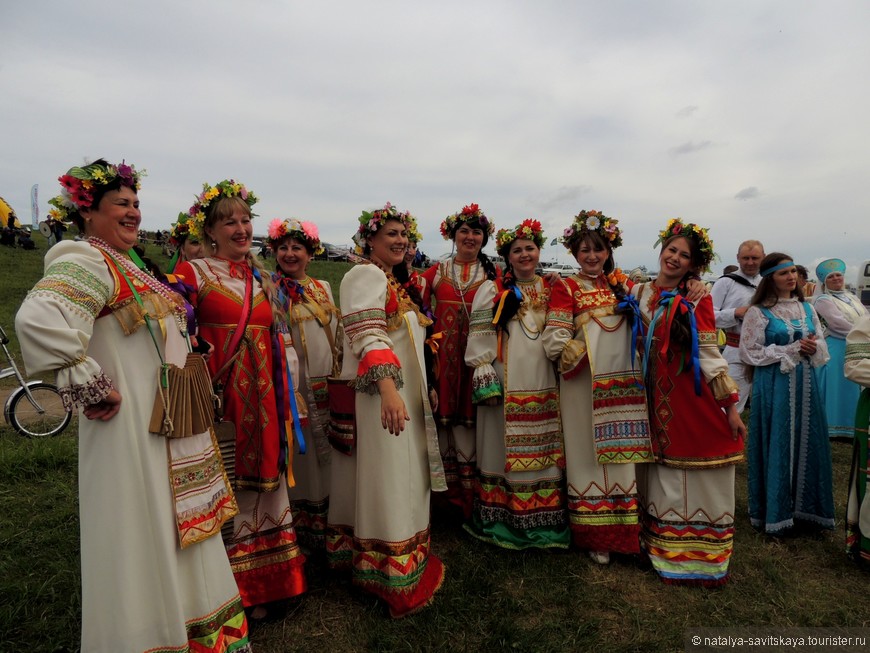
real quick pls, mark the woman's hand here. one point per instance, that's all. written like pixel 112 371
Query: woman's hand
pixel 551 278
pixel 808 346
pixel 433 399
pixel 696 291
pixel 106 409
pixel 738 428
pixel 393 412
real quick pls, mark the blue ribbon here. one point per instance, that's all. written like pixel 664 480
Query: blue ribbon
pixel 671 302
pixel 278 366
pixel 629 304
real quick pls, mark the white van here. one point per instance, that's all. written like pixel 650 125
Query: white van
pixel 863 287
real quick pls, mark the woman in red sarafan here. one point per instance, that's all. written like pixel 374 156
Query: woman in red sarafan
pixel 449 289
pixel 697 434
pixel 232 292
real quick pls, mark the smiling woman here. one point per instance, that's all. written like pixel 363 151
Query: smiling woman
pixel 239 313
pixel 150 580
pixel 383 475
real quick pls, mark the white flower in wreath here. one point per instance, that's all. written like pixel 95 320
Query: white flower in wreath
pixel 592 222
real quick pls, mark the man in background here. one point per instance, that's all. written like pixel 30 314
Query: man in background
pixel 731 295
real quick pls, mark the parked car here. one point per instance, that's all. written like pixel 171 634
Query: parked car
pixel 562 269
pixel 337 253
pixel 333 253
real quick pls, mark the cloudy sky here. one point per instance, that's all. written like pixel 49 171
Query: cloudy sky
pixel 749 117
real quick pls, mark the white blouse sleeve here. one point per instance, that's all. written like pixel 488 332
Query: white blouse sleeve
pixel 821 357
pixel 482 345
pixel 836 325
pixel 753 351
pixel 364 317
pixel 56 321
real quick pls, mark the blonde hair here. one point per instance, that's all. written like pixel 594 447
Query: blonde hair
pixel 749 244
pixel 223 208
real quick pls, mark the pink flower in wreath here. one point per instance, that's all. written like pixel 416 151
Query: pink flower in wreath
pixel 275 229
pixel 310 230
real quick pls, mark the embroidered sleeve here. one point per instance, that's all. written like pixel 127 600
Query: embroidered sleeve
pixel 56 320
pixel 363 297
pixel 482 339
pixel 724 389
pixel 560 342
pixel 857 365
pixel 712 362
pixel 482 345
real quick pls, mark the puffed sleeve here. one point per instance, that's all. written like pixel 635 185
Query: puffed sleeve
pixel 836 324
pixel 560 342
pixel 482 345
pixel 857 362
pixel 363 315
pixel 56 321
pixel 821 356
pixel 753 351
pixel 714 367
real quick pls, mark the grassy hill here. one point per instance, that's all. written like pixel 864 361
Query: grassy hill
pixel 492 599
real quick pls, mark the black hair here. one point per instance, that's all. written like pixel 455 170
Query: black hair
pixel 98 192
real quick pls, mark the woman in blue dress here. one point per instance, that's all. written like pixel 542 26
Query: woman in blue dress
pixel 788 448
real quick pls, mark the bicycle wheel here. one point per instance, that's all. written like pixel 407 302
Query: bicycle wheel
pixel 49 419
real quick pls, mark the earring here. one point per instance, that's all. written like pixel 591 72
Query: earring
pixel 214 245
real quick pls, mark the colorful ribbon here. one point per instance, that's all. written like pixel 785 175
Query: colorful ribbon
pixel 500 302
pixel 628 304
pixel 670 303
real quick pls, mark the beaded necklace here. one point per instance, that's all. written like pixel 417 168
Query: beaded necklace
pixel 143 276
pixel 529 288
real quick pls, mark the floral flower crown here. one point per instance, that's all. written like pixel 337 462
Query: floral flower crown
pixel 371 221
pixel 79 185
pixel 527 229
pixel 225 188
pixel 180 229
pixel 588 221
pixel 470 213
pixel 676 227
pixel 304 232
pixel 414 234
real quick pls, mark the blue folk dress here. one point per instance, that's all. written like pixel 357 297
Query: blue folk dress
pixel 788 448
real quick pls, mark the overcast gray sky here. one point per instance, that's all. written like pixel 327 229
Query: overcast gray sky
pixel 749 117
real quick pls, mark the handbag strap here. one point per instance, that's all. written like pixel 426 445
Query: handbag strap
pixel 329 337
pixel 164 368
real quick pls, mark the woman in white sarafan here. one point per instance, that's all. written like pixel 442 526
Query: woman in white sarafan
pixel 154 572
pixel 381 483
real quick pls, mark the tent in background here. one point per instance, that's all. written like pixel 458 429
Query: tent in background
pixel 5 212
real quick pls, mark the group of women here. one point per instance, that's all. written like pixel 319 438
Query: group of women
pixel 551 412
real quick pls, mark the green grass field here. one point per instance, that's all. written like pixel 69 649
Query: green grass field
pixel 492 599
